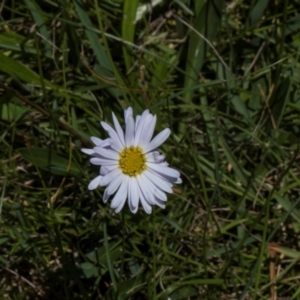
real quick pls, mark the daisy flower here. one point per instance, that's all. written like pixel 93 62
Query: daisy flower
pixel 131 168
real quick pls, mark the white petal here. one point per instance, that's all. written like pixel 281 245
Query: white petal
pixel 148 132
pixel 127 112
pixel 155 157
pixel 178 181
pixel 129 131
pixel 119 129
pixel 103 161
pixel 129 192
pixel 116 146
pixel 106 169
pixel 160 203
pixel 112 133
pixel 160 183
pixel 163 170
pixel 121 205
pixel 145 113
pixel 161 195
pixel 87 151
pixel 95 182
pixel 137 122
pixel 121 195
pixel 109 177
pixel 100 143
pixel 110 154
pixel 114 185
pixel 147 207
pixel 156 191
pixel 96 141
pixel 106 143
pixel 142 129
pixel 141 119
pixel 133 195
pixel 144 187
pixel 158 140
pixel 105 196
pixel 164 177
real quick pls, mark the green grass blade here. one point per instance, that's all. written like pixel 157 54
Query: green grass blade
pixel 40 22
pixel 128 29
pixel 207 24
pixel 102 58
pixel 19 70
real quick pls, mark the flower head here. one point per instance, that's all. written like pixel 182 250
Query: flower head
pixel 130 167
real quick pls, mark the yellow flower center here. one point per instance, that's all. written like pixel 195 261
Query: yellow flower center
pixel 132 161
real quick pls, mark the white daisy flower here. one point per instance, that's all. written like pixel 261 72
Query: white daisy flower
pixel 130 167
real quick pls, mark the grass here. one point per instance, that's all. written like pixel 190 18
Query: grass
pixel 223 76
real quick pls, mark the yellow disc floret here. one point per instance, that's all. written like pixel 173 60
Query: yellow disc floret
pixel 132 161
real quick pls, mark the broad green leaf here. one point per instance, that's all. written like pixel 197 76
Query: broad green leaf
pixel 40 22
pixel 3 240
pixel 172 223
pixel 231 247
pixel 185 289
pixel 11 40
pixel 279 102
pixel 11 111
pixel 19 70
pixel 89 270
pixel 99 255
pixel 232 95
pixel 291 253
pixel 293 25
pixel 184 292
pixel 258 11
pixel 49 160
pixel 240 174
pixel 130 287
pixel 287 206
